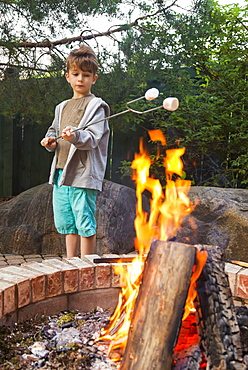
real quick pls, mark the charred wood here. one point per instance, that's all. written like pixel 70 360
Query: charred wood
pixel 218 326
pixel 242 317
pixel 188 359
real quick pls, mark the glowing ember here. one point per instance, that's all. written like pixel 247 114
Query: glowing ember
pixel 167 210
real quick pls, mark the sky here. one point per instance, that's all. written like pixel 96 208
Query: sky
pixel 103 23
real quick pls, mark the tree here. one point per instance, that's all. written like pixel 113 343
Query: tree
pixel 204 63
pixel 35 38
pixel 198 55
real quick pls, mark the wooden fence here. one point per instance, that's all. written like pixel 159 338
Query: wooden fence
pixel 24 163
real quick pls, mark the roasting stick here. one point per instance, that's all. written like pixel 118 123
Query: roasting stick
pixel 170 104
pixel 121 259
pixel 242 264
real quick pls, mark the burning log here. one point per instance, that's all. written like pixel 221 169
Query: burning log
pixel 189 359
pixel 188 354
pixel 218 325
pixel 159 307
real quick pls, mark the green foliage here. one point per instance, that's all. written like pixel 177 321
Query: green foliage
pixel 125 169
pixel 33 99
pixel 198 56
pixel 212 119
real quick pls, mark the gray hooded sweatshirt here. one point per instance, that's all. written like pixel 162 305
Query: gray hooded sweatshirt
pixel 86 163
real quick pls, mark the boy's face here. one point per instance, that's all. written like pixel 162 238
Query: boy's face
pixel 80 81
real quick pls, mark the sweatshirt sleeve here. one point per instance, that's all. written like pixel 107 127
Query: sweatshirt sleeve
pixel 89 137
pixel 53 129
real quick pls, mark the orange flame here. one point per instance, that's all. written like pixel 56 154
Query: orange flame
pixel 115 334
pixel 157 135
pixel 167 210
pixel 201 258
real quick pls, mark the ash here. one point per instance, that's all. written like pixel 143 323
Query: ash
pixel 63 341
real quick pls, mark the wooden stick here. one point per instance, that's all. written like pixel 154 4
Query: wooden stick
pixel 120 259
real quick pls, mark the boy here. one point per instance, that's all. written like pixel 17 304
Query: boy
pixel 80 158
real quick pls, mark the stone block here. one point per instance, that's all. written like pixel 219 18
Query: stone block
pixel 90 257
pixel 23 286
pixel 242 284
pixel 70 274
pixel 103 275
pixel 9 297
pixel 115 278
pixel 88 300
pixel 87 278
pixel 14 257
pixel 38 281
pixel 78 262
pixel 232 271
pixel 54 285
pixel 3 264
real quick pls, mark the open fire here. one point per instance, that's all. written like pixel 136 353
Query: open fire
pixel 167 209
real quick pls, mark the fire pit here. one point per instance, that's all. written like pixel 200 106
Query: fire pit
pixel 143 330
pixel 99 287
pixel 160 287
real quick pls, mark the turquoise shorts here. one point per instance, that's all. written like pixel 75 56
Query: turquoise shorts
pixel 74 208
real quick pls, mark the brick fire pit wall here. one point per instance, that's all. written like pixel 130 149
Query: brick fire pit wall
pixel 33 288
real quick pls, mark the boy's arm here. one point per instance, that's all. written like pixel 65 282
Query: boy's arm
pixel 48 141
pixel 88 138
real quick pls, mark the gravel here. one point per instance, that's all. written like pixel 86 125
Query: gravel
pixel 63 341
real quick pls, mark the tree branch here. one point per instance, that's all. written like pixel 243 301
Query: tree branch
pixel 9 65
pixel 50 44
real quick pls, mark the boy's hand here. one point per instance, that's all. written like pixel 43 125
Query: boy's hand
pixel 67 133
pixel 48 142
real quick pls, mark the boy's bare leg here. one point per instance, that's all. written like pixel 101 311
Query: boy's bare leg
pixel 72 244
pixel 88 245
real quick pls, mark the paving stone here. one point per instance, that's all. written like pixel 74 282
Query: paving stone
pixel 17 261
pixel 115 278
pixel 8 297
pixel 78 262
pixel 103 274
pixel 11 257
pixel 242 283
pixel 38 281
pixel 34 259
pixel 90 257
pixel 232 271
pixel 70 274
pixel 3 264
pixel 25 256
pixel 23 286
pixel 54 277
pixel 86 278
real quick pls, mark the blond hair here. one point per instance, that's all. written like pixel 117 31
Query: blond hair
pixel 83 58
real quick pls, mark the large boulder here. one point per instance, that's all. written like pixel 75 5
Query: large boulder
pixel 220 218
pixel 27 227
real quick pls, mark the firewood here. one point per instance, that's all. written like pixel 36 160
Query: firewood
pixel 159 307
pixel 219 330
pixel 189 359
